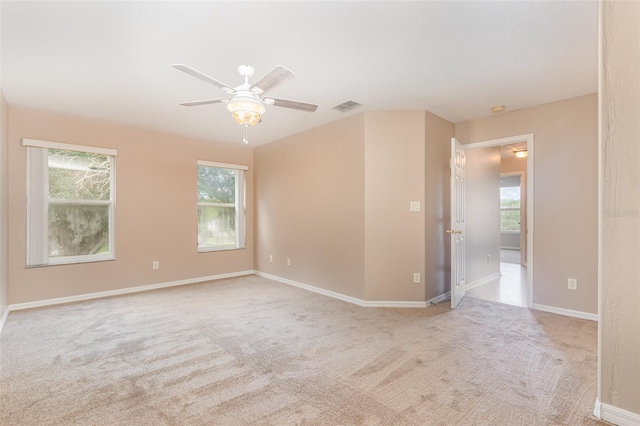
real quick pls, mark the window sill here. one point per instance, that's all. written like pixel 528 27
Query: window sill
pixel 72 262
pixel 210 249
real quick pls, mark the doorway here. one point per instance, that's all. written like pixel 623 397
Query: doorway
pixel 511 286
pixel 514 283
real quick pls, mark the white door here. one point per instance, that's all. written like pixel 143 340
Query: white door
pixel 456 230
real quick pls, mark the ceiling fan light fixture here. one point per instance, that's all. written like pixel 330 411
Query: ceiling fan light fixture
pixel 246 111
pixel 249 118
pixel 247 104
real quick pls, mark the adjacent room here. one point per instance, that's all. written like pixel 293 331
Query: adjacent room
pixel 501 203
pixel 310 212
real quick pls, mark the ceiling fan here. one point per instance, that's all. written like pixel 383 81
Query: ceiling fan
pixel 247 103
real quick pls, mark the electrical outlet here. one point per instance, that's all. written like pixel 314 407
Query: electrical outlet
pixel 155 265
pixel 572 284
pixel 414 206
pixel 416 277
pixel 288 262
pixel 270 258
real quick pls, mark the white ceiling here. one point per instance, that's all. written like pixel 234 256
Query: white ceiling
pixel 112 60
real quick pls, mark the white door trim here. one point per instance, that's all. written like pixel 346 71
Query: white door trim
pixel 528 138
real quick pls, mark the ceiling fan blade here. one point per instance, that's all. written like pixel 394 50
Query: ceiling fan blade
pixel 203 102
pixel 272 79
pixel 204 77
pixel 285 103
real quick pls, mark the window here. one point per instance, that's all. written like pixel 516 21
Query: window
pixel 70 207
pixel 510 209
pixel 221 206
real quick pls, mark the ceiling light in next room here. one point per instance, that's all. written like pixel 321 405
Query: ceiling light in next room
pixel 521 153
pixel 498 109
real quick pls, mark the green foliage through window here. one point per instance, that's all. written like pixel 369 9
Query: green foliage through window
pixel 216 185
pixel 78 230
pixel 510 208
pixel 217 206
pixel 79 175
pixel 76 178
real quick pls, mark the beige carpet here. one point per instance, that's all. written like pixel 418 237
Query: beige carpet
pixel 251 351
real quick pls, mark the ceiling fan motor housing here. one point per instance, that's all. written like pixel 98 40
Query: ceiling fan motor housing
pixel 246 71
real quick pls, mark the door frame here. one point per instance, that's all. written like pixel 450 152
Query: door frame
pixel 529 139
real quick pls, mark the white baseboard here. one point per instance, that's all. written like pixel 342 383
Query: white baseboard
pixel 354 300
pixel 393 304
pixel 314 289
pixel 118 292
pixel 439 299
pixel 615 415
pixel 476 283
pixel 566 312
pixel 596 410
pixel 122 291
pixel 5 315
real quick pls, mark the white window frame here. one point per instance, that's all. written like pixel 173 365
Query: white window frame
pixel 240 206
pixel 38 202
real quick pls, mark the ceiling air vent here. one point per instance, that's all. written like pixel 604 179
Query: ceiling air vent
pixel 347 106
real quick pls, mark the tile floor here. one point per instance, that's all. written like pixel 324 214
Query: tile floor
pixel 509 256
pixel 510 288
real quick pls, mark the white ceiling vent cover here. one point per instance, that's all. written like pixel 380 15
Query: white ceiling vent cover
pixel 347 106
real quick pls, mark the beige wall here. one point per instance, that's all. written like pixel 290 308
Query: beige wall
pixel 394 176
pixel 4 209
pixel 513 165
pixel 564 191
pixel 482 227
pixel 156 216
pixel 437 205
pixel 619 338
pixel 335 199
pixel 310 207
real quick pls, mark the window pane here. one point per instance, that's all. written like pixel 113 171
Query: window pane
pixel 216 185
pixel 78 230
pixel 78 175
pixel 216 226
pixel 510 197
pixel 510 220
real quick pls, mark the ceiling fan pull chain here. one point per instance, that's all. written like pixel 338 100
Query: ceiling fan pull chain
pixel 245 140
